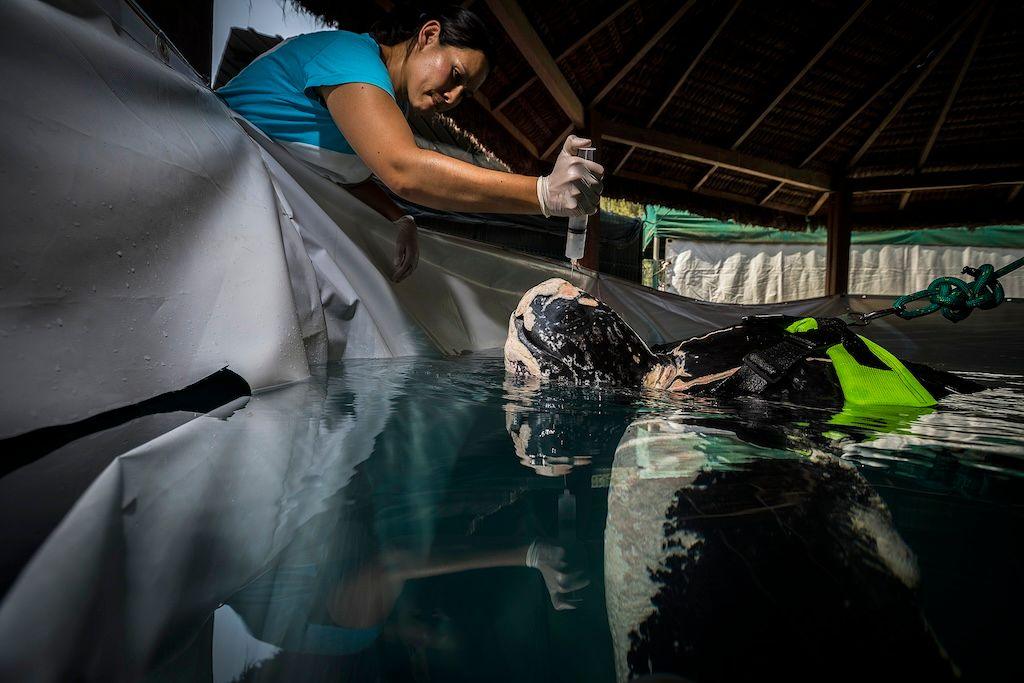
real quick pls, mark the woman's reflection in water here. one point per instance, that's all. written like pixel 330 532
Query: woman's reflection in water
pixel 334 590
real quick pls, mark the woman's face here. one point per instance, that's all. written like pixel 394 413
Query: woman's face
pixel 439 76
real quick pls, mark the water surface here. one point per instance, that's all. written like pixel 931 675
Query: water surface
pixel 378 522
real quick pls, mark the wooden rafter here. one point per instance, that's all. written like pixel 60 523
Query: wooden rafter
pixel 729 196
pixel 693 150
pixel 792 84
pixel 951 97
pixel 642 52
pixel 910 91
pixel 767 198
pixel 818 203
pixel 704 178
pixel 955 89
pixel 686 75
pixel 559 139
pixel 525 37
pixel 505 123
pixel 569 50
pixel 917 58
pixel 694 62
pixel 801 73
pixel 949 180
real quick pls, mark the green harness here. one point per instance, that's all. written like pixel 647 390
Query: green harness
pixel 868 374
pixel 868 386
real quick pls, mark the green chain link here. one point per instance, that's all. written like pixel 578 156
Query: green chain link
pixel 956 298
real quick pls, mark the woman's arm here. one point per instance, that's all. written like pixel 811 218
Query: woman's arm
pixel 376 129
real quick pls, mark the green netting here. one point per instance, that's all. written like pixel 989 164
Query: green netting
pixel 683 225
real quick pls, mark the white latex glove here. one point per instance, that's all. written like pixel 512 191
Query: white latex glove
pixel 574 186
pixel 550 561
pixel 407 249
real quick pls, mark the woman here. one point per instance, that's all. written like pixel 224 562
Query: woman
pixel 339 100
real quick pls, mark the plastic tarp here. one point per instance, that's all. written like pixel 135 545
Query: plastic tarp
pixel 142 248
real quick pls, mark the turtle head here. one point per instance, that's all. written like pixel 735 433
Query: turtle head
pixel 561 332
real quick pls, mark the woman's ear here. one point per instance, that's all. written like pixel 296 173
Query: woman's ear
pixel 430 33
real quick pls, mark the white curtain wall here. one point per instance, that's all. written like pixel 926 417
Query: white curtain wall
pixel 742 273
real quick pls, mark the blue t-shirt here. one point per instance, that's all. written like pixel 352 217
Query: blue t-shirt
pixel 278 91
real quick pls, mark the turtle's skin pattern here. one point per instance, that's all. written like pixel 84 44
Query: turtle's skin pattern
pixel 730 563
pixel 795 566
pixel 561 333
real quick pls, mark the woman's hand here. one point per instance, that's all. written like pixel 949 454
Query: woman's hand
pixel 560 577
pixel 574 186
pixel 407 249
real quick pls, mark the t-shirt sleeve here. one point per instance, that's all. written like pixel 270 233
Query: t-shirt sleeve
pixel 348 58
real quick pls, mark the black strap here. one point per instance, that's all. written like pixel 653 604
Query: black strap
pixel 765 367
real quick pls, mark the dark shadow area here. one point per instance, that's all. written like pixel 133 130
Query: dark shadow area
pixel 205 395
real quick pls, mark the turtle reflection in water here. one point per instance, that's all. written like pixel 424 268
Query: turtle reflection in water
pixel 727 555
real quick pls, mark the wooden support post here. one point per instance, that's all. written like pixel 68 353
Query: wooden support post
pixel 592 251
pixel 837 266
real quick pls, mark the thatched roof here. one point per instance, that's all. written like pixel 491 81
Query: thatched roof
pixel 756 110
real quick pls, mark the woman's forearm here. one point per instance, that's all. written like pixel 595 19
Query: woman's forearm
pixel 441 182
pixel 453 560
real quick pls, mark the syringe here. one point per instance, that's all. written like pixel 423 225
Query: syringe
pixel 576 239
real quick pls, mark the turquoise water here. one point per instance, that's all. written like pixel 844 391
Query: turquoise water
pixel 377 523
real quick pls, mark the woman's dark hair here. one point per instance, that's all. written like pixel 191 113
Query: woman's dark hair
pixel 459 28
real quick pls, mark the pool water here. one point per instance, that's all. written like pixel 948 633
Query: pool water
pixel 434 521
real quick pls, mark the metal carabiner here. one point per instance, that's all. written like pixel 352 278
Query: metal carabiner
pixel 862 319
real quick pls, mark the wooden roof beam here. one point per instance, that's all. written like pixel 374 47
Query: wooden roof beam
pixel 729 196
pixel 949 180
pixel 692 150
pixel 525 37
pixel 948 104
pixel 642 52
pixel 774 191
pixel 569 50
pixel 818 203
pixel 556 143
pixel 801 73
pixel 951 97
pixel 917 58
pixel 685 77
pixel 789 86
pixel 505 123
pixel 910 91
pixel 695 61
pixel 706 177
